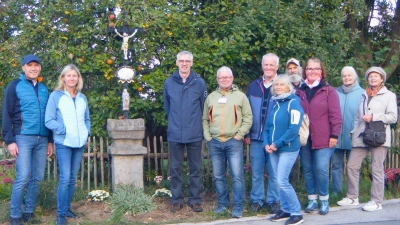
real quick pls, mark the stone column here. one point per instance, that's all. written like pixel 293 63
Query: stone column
pixel 126 151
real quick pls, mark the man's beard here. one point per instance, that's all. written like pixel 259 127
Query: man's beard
pixel 295 78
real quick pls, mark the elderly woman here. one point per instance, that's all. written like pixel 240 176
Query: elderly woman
pixel 320 102
pixel 67 115
pixel 349 96
pixel 377 104
pixel 282 142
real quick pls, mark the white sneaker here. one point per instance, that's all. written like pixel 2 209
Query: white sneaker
pixel 372 206
pixel 348 201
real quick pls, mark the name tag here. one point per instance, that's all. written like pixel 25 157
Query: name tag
pixel 222 100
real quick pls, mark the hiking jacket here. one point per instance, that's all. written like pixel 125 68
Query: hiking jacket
pixel 383 107
pixel 183 104
pixel 284 123
pixel 68 118
pixel 255 94
pixel 324 113
pixel 224 121
pixel 349 103
pixel 24 106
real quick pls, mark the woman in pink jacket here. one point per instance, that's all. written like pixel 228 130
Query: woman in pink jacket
pixel 320 102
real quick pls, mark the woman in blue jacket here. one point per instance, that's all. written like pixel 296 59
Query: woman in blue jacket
pixel 281 141
pixel 350 94
pixel 67 115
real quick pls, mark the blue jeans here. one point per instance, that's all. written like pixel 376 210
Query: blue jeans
pixel 231 152
pixel 281 164
pixel 315 164
pixel 259 159
pixel 31 164
pixel 69 161
pixel 337 168
pixel 195 160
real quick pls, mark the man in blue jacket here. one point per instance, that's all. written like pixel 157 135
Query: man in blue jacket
pixel 184 96
pixel 27 138
pixel 259 94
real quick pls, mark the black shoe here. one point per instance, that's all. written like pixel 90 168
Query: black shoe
pixel 61 220
pixel 293 220
pixel 273 207
pixel 281 215
pixel 176 207
pixel 71 214
pixel 196 207
pixel 26 217
pixel 255 207
pixel 15 221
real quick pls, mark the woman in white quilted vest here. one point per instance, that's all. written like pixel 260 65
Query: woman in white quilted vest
pixel 67 115
pixel 377 104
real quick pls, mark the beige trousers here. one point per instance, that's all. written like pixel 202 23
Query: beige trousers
pixel 357 155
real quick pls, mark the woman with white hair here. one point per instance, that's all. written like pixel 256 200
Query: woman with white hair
pixel 377 104
pixel 281 141
pixel 349 96
pixel 67 115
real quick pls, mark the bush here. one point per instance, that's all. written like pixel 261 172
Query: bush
pixel 129 199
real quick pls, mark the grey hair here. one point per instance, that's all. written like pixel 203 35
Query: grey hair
pixel 285 78
pixel 270 55
pixel 184 53
pixel 225 69
pixel 352 71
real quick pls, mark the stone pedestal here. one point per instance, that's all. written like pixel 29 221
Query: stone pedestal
pixel 126 151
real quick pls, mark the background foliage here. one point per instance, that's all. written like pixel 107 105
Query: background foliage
pixel 226 32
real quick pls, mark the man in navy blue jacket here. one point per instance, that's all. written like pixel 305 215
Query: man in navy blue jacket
pixel 184 96
pixel 27 138
pixel 259 94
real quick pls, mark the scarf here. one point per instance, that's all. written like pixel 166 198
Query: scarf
pixel 281 96
pixel 347 89
pixel 314 84
pixel 371 92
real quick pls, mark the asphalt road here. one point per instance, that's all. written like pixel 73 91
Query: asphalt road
pixel 350 215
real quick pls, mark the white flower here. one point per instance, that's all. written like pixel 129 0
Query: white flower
pixel 98 195
pixel 162 192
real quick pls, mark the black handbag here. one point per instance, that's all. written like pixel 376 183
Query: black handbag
pixel 375 132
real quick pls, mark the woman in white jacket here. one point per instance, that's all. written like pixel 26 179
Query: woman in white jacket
pixel 67 115
pixel 377 104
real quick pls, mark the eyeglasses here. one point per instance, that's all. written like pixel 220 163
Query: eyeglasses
pixel 224 78
pixel 313 69
pixel 185 61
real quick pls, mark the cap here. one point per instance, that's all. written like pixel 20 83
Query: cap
pixel 29 58
pixel 376 70
pixel 293 60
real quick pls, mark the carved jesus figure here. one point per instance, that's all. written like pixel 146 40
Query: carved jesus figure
pixel 125 39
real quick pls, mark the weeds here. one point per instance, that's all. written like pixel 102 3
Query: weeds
pixel 129 199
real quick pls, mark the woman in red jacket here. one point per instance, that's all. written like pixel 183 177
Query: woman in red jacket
pixel 321 103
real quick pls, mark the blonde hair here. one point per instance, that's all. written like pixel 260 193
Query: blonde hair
pixel 285 79
pixel 61 83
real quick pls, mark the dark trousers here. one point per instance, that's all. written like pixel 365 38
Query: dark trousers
pixel 195 159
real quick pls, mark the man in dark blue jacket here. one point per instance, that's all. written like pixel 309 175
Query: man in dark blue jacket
pixel 184 96
pixel 24 106
pixel 259 94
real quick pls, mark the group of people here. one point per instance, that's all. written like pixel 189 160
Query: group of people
pixel 268 118
pixel 34 120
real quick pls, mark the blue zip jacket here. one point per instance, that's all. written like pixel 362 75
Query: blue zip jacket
pixel 183 104
pixel 255 94
pixel 24 106
pixel 349 105
pixel 284 123
pixel 68 118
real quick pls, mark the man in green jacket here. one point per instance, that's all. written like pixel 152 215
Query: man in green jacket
pixel 227 118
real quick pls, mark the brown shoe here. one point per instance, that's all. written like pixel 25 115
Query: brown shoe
pixel 196 207
pixel 176 207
